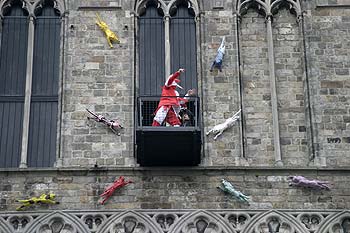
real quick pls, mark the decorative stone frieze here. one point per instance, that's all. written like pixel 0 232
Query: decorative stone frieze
pixel 177 221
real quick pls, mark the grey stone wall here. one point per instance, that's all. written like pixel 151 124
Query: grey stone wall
pixel 328 39
pixel 102 79
pixel 290 84
pixel 256 95
pixel 220 89
pixel 175 189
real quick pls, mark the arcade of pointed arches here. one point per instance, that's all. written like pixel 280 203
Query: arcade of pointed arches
pixel 186 221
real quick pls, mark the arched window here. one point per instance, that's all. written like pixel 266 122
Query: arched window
pixel 183 43
pixel 156 54
pixel 13 64
pixel 44 99
pixel 29 82
pixel 285 87
pixel 167 42
pixel 151 50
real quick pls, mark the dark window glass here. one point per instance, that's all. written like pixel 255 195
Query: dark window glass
pixel 151 51
pixel 183 44
pixel 44 100
pixel 13 60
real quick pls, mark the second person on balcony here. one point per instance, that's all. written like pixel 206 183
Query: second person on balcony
pixel 170 103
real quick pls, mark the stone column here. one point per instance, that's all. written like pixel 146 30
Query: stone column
pixel 237 21
pixel 274 103
pixel 63 36
pixel 199 78
pixel 28 93
pixel 167 44
pixel 307 100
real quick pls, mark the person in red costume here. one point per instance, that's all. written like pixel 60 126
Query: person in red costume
pixel 170 102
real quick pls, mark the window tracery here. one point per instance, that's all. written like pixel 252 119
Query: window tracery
pixel 185 221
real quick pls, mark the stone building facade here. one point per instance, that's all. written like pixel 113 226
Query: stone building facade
pixel 286 66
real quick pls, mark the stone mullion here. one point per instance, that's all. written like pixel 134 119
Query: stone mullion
pixel 237 21
pixel 307 99
pixel 199 70
pixel 134 71
pixel 28 93
pixel 63 36
pixel 167 44
pixel 273 87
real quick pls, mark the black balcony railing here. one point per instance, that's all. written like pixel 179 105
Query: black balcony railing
pixel 167 145
pixel 188 113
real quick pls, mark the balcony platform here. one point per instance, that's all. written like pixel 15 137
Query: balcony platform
pixel 168 146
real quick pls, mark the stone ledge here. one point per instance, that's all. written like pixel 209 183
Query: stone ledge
pixel 77 170
pixel 152 211
pixel 332 3
pixel 98 8
pixel 107 5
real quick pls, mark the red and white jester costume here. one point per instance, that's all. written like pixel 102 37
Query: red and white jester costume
pixel 170 102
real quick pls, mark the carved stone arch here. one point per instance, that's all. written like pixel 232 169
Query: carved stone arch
pixel 141 5
pixel 201 221
pixel 238 220
pixel 274 221
pixel 4 226
pixel 293 6
pixel 93 220
pixel 193 4
pixel 57 222
pixel 243 6
pixel 6 4
pixel 58 5
pixel 19 221
pixel 130 222
pixel 336 223
pixel 165 220
pixel 311 220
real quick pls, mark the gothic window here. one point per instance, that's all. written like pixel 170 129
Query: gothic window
pixel 277 90
pixel 166 42
pixel 13 64
pixel 151 50
pixel 154 49
pixel 29 80
pixel 44 99
pixel 183 43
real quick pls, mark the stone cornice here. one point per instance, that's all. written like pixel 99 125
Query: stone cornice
pixel 176 169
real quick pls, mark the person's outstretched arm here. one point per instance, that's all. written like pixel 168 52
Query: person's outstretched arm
pixel 173 77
